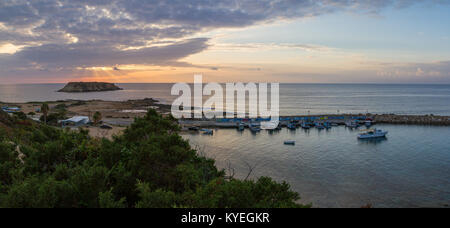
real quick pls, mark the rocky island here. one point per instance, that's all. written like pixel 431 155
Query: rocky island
pixel 81 87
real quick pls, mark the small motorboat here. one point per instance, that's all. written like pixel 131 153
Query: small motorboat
pixel 320 126
pixel 254 128
pixel 193 129
pixel 292 126
pixel 371 134
pixel 241 127
pixel 352 124
pixel 306 126
pixel 207 132
pixel 292 143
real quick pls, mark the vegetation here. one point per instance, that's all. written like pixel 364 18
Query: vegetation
pixel 150 165
pixel 45 109
pixel 97 118
pixel 57 113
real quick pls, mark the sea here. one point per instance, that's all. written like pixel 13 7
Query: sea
pixel 328 168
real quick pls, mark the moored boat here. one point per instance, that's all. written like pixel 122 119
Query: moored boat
pixel 352 124
pixel 320 126
pixel 291 126
pixel 374 133
pixel 241 126
pixel 207 132
pixel 306 126
pixel 255 127
pixel 289 143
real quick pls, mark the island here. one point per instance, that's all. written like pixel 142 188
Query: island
pixel 81 87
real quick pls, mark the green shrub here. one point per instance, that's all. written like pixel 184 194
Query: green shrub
pixel 150 165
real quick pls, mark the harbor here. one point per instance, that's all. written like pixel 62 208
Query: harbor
pixel 320 121
pixel 333 168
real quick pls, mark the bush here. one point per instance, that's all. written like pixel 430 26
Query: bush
pixel 20 115
pixel 150 165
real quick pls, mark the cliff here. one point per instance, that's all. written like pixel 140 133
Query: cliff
pixel 80 87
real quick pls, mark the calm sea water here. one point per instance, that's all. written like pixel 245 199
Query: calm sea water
pixel 331 168
pixel 411 168
pixel 295 99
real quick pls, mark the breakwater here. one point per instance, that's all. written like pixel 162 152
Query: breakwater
pixel 338 119
pixel 413 120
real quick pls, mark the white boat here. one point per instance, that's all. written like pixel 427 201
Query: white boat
pixel 370 134
pixel 352 124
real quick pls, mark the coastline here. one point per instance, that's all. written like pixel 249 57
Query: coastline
pixel 122 113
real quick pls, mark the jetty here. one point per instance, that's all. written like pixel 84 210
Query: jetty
pixel 322 120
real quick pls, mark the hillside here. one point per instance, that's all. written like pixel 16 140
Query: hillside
pixel 148 166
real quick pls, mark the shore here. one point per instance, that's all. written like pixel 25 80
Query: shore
pixel 120 114
pixel 116 114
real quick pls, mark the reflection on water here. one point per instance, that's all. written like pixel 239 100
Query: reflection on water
pixel 332 168
pixel 372 141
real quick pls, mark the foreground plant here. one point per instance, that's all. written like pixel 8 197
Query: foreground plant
pixel 150 165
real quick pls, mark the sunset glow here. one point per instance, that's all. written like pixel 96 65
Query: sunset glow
pixel 318 41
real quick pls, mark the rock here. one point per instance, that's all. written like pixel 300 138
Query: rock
pixel 81 87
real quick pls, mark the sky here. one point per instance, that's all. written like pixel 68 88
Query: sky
pixel 297 41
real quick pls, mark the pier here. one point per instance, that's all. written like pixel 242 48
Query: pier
pixel 333 119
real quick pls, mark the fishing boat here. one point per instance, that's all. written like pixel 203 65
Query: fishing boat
pixel 291 126
pixel 352 124
pixel 371 134
pixel 306 126
pixel 368 122
pixel 320 126
pixel 289 143
pixel 255 129
pixel 241 126
pixel 207 132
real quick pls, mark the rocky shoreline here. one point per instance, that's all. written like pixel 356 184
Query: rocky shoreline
pixel 413 120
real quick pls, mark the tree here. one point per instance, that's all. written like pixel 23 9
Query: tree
pixel 44 110
pixel 149 165
pixel 97 118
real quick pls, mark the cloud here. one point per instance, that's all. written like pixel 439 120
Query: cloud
pixel 420 71
pixel 270 46
pixel 72 34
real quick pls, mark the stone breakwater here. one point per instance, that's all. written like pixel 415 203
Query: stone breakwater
pixel 413 120
pixel 339 119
